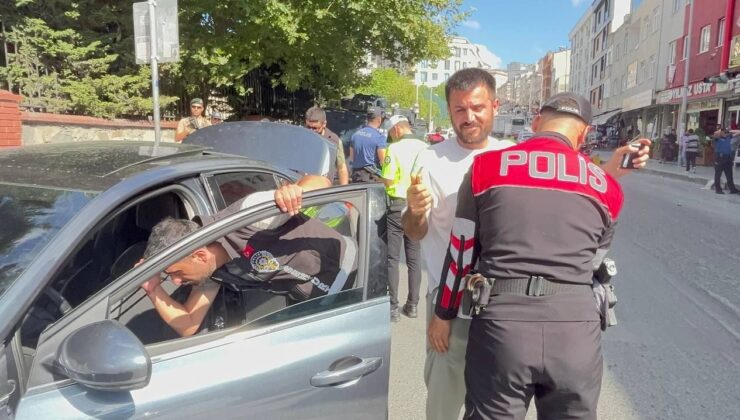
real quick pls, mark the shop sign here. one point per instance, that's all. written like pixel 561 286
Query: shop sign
pixel 639 100
pixel 703 105
pixel 694 90
pixel 735 52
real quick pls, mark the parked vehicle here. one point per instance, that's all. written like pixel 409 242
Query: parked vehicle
pixel 80 337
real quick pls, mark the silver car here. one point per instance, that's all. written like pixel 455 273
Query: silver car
pixel 81 339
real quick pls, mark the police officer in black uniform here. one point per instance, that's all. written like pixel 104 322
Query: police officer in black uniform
pixel 533 219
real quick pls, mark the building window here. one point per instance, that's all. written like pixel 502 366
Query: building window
pixel 651 67
pixel 721 32
pixel 672 53
pixel 447 64
pixel 457 52
pixel 645 28
pixel 457 65
pixel 423 77
pixel 656 19
pixel 423 64
pixel 685 54
pixel 434 77
pixel 465 52
pixel 447 76
pixel 706 35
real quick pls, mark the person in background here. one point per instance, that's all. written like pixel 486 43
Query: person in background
pixel 195 121
pixel 216 118
pixel 691 147
pixel 367 149
pixel 724 157
pixel 315 120
pixel 396 174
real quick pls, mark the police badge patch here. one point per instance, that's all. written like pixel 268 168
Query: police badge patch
pixel 387 160
pixel 264 262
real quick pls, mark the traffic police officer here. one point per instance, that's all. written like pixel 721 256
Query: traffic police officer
pixel 367 149
pixel 396 174
pixel 534 218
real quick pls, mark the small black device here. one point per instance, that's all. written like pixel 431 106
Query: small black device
pixel 628 158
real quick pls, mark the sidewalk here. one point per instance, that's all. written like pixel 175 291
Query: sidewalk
pixel 704 174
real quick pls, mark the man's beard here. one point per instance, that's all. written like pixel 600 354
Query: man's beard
pixel 485 130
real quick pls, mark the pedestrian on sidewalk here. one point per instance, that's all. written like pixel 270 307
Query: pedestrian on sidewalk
pixel 724 157
pixel 367 149
pixel 396 173
pixel 691 146
pixel 682 149
pixel 667 145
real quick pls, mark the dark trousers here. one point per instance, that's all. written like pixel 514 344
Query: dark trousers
pixel 691 160
pixel 366 174
pixel 509 362
pixel 723 163
pixel 396 237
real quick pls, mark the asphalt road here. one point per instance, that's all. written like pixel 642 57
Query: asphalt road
pixel 676 351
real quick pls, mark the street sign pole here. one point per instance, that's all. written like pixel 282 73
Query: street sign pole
pixel 155 70
pixel 684 99
pixel 156 40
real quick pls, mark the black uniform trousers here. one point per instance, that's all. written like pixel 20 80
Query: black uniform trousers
pixel 412 249
pixel 724 163
pixel 509 362
pixel 366 174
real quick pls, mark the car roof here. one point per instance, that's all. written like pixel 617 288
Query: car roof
pixel 94 165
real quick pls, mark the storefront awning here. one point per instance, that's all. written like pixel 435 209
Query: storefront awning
pixel 601 119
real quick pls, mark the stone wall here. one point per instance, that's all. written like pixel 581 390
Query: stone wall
pixel 10 119
pixel 41 128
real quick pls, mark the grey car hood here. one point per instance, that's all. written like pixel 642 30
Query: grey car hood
pixel 288 146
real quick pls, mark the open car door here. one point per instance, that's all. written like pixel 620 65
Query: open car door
pixel 324 358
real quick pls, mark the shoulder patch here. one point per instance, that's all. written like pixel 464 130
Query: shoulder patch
pixel 387 160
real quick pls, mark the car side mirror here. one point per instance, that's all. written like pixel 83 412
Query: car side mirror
pixel 105 356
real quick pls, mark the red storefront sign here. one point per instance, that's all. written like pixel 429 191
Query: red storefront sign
pixel 695 90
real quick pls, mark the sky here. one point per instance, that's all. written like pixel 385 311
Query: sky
pixel 520 30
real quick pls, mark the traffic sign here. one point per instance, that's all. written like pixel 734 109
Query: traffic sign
pixel 166 36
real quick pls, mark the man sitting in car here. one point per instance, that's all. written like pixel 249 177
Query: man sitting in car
pixel 290 254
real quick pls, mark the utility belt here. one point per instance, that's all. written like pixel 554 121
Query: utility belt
pixel 478 290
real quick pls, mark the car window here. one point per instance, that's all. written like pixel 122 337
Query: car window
pixel 287 268
pixel 107 252
pixel 237 185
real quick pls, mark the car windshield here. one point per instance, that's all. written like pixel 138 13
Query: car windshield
pixel 31 217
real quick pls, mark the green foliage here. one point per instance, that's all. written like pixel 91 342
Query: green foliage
pixel 77 56
pixel 400 89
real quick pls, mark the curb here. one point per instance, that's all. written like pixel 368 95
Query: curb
pixel 697 179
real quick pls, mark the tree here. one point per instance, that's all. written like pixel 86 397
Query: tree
pixel 312 44
pixel 61 69
pixel 400 89
pixel 318 45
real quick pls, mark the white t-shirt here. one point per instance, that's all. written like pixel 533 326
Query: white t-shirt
pixel 442 167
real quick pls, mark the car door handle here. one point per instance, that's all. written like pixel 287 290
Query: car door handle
pixel 345 370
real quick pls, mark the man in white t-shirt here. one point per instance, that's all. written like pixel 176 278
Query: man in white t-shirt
pixel 431 205
pixel 437 174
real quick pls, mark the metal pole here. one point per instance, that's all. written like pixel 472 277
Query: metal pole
pixel 431 123
pixel 155 70
pixel 685 98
